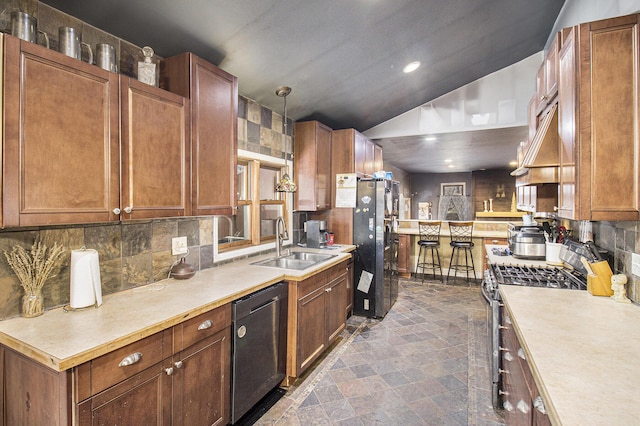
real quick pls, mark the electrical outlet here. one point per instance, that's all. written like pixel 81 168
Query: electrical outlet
pixel 178 245
pixel 635 264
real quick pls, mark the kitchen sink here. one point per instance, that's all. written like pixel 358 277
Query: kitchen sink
pixel 296 260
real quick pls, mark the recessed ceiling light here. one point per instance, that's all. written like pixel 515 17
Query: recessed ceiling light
pixel 451 166
pixel 513 163
pixel 430 138
pixel 411 67
pixel 448 160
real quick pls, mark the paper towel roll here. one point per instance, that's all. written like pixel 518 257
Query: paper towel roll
pixel 86 288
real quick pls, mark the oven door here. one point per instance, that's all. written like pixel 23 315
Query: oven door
pixel 493 331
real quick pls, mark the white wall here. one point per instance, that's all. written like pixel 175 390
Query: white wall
pixel 578 11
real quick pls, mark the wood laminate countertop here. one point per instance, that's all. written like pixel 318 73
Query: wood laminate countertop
pixel 61 340
pixel 583 353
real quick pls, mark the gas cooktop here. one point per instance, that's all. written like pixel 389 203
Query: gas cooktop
pixel 534 276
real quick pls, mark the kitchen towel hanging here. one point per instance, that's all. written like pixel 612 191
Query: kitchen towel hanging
pixel 86 288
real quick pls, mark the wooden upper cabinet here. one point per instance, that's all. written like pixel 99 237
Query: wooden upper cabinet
pixel 600 173
pixel 547 78
pixel 155 157
pixel 378 164
pixel 213 95
pixel 312 165
pixel 60 138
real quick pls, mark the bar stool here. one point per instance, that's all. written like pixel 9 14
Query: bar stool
pixel 461 239
pixel 429 243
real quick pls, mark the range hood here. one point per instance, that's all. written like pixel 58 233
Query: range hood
pixel 541 163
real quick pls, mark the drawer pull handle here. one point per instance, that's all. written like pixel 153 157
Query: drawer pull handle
pixel 130 359
pixel 521 354
pixel 206 324
pixel 539 405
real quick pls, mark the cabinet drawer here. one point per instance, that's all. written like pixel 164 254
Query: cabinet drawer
pixel 106 370
pixel 311 284
pixel 201 326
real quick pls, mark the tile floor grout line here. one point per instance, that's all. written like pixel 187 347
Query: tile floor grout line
pixel 319 375
pixel 471 381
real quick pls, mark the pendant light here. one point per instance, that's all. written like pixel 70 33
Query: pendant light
pixel 285 184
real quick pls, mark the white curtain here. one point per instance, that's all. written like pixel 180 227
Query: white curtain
pixel 454 207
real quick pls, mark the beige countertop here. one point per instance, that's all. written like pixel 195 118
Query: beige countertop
pixel 61 340
pixel 495 259
pixel 481 229
pixel 583 353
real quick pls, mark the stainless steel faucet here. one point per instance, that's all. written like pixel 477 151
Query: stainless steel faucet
pixel 281 234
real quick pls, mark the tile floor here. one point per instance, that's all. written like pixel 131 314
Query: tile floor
pixel 425 363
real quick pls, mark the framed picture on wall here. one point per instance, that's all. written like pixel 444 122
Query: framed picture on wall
pixel 454 188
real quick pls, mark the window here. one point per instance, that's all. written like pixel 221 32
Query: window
pixel 271 203
pixel 257 210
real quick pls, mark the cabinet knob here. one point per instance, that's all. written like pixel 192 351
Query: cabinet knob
pixel 523 407
pixel 507 406
pixel 205 324
pixel 508 356
pixel 116 211
pixel 178 364
pixel 521 354
pixel 169 371
pixel 130 359
pixel 538 403
pixel 501 392
pixel 128 209
pixel 501 371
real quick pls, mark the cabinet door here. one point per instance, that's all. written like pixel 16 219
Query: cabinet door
pixel 609 93
pixel 201 382
pixel 360 149
pixel 312 166
pixel 567 124
pixel 311 330
pixel 404 255
pixel 33 394
pixel 370 159
pixel 214 113
pixel 337 306
pixel 349 294
pixel 378 163
pixel 61 159
pixel 142 399
pixel 154 152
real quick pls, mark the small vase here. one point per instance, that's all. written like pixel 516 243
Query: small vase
pixel 32 304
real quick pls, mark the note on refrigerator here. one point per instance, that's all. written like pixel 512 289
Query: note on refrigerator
pixel 365 281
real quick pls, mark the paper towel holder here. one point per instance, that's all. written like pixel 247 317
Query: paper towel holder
pixel 94 279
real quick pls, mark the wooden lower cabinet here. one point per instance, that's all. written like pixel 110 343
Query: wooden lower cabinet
pixel 317 314
pixel 521 400
pixel 179 376
pixel 201 385
pixel 350 283
pixel 404 255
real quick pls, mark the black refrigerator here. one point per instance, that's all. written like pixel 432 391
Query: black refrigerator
pixel 375 226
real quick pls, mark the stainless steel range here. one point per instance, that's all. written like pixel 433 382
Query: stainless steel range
pixel 535 274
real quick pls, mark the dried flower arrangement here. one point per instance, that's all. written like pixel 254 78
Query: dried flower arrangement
pixel 33 268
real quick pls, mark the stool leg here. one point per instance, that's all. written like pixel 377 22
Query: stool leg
pixel 454 265
pixel 433 262
pixel 473 267
pixel 466 263
pixel 439 266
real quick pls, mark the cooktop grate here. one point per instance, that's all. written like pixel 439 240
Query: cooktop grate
pixel 550 277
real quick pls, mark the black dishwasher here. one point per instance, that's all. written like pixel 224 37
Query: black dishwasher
pixel 259 349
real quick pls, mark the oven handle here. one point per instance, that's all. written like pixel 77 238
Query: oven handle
pixel 485 293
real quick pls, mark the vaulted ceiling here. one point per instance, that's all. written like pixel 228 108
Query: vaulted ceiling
pixel 343 58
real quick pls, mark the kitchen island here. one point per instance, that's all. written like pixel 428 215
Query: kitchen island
pixel 582 351
pixel 484 232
